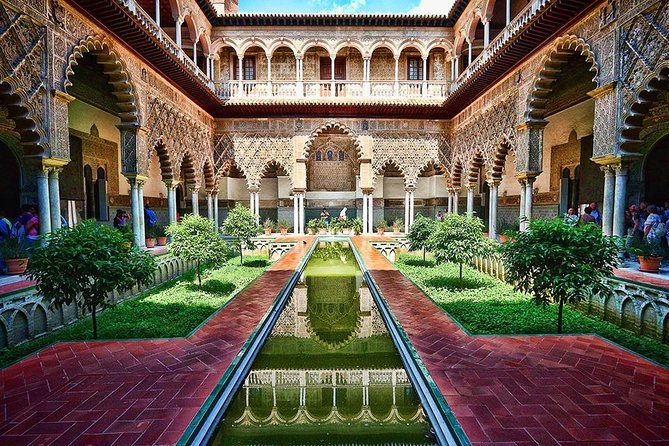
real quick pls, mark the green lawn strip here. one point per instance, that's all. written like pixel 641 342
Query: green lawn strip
pixel 173 309
pixel 486 305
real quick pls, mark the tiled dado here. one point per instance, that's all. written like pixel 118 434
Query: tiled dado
pixel 131 392
pixel 530 390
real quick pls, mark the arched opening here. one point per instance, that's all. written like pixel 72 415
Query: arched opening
pixel 349 65
pixel 253 72
pixel 274 179
pixel 430 191
pixel 655 177
pixel 317 72
pixel 101 207
pixel 382 72
pixel 283 72
pixel 628 319
pixel 225 73
pixel 89 192
pixel 10 182
pixel 332 179
pixel 393 191
pixel 649 322
pixel 414 70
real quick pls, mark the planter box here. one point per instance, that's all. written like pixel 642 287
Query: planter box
pixel 16 266
pixel 150 242
pixel 161 241
pixel 649 264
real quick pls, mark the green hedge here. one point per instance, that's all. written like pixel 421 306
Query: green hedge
pixel 487 306
pixel 173 309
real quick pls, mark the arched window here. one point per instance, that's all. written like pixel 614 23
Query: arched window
pixel 89 192
pixel 341 155
pixel 330 155
pixel 319 156
pixel 101 206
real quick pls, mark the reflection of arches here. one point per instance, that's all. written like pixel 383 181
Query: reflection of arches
pixel 655 176
pixel 10 181
pixel 649 322
pixel 113 67
pixel 559 55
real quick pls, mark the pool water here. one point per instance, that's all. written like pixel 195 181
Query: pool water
pixel 328 374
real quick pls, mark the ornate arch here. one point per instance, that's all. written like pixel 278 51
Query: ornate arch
pixel 113 66
pixel 351 44
pixel 412 43
pixel 250 43
pixel 278 43
pixel 188 163
pixel 223 42
pixel 332 125
pixel 476 162
pixel 313 43
pixel 549 71
pixel 383 43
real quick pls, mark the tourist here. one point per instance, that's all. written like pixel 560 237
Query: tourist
pixel 633 222
pixel 651 227
pixel 31 230
pixel 5 226
pixel 342 214
pixel 121 218
pixel 571 215
pixel 595 213
pixel 325 215
pixel 586 217
pixel 439 216
pixel 665 217
pixel 150 217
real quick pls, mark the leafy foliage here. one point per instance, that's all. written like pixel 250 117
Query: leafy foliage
pixel 241 223
pixel 268 224
pixel 381 224
pixel 173 309
pixel 420 231
pixel 399 223
pixel 645 247
pixel 356 226
pixel 560 261
pixel 84 264
pixel 458 239
pixel 283 224
pixel 488 306
pixel 195 239
pixel 12 248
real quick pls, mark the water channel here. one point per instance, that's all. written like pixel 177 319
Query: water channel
pixel 329 373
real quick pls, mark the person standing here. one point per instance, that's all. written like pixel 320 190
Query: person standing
pixel 149 217
pixel 587 217
pixel 439 216
pixel 571 215
pixel 595 213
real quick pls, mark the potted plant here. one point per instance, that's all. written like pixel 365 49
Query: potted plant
pixel 312 225
pixel 398 224
pixel 150 238
pixel 15 255
pixel 268 226
pixel 381 226
pixel 128 236
pixel 505 228
pixel 161 236
pixel 345 227
pixel 283 226
pixel 649 252
pixel 356 226
pixel 322 226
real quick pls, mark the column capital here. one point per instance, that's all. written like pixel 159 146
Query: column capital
pixel 54 163
pixel 493 182
pixel 527 176
pixel 134 178
pixel 603 90
pixel 535 124
pixel 367 190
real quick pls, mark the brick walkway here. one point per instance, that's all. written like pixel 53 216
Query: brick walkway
pixel 130 392
pixel 530 390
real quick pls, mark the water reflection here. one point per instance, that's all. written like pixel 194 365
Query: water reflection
pixel 329 372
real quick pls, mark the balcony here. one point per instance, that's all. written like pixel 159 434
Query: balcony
pixel 333 90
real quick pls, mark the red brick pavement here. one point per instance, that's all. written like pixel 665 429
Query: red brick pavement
pixel 130 392
pixel 530 390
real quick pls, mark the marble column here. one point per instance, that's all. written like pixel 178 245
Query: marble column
pixel 407 224
pixel 210 206
pixel 296 221
pixel 470 201
pixel 620 200
pixel 450 202
pixel 134 209
pixel 140 203
pixel 609 200
pixel 44 209
pixel 257 207
pixel 195 201
pixel 365 216
pixel 216 218
pixel 492 225
pixel 370 203
pixel 301 203
pixel 54 198
pixel 411 207
pixel 521 213
pixel 528 201
pixel 456 199
pixel 171 202
pixel 178 24
pixel 486 34
pixel 397 76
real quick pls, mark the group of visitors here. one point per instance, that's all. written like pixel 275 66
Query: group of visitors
pixel 325 215
pixel 648 221
pixel 590 215
pixel 122 219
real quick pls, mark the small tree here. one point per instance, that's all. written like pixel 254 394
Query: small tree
pixel 196 239
pixel 241 224
pixel 420 231
pixel 458 239
pixel 559 261
pixel 84 264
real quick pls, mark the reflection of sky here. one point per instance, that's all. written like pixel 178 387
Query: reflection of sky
pixel 347 6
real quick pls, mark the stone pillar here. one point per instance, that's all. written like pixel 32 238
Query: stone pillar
pixel 609 200
pixel 521 213
pixel 492 225
pixel 43 199
pixel 370 203
pixel 469 56
pixel 134 209
pixel 450 202
pixel 178 24
pixel 411 207
pixel 54 198
pixel 407 224
pixel 456 198
pixel 171 202
pixel 457 67
pixel 508 12
pixel 301 206
pixel 299 86
pixel 486 34
pixel 195 201
pixel 210 206
pixel 257 206
pixel 528 200
pixel 269 76
pixel 620 200
pixel 332 76
pixel 158 12
pixel 365 216
pixel 366 86
pixel 425 76
pixel 397 75
pixel 296 216
pixel 216 218
pixel 140 203
pixel 470 200
pixel 240 75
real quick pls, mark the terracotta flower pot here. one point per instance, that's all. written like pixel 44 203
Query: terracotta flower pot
pixel 346 231
pixel 161 241
pixel 312 231
pixel 127 244
pixel 284 230
pixel 322 231
pixel 268 231
pixel 503 238
pixel 396 230
pixel 16 266
pixel 649 264
pixel 380 231
pixel 150 242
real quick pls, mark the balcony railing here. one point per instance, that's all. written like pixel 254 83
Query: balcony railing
pixel 507 34
pixel 170 45
pixel 311 89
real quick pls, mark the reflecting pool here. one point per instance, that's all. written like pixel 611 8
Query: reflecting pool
pixel 328 374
